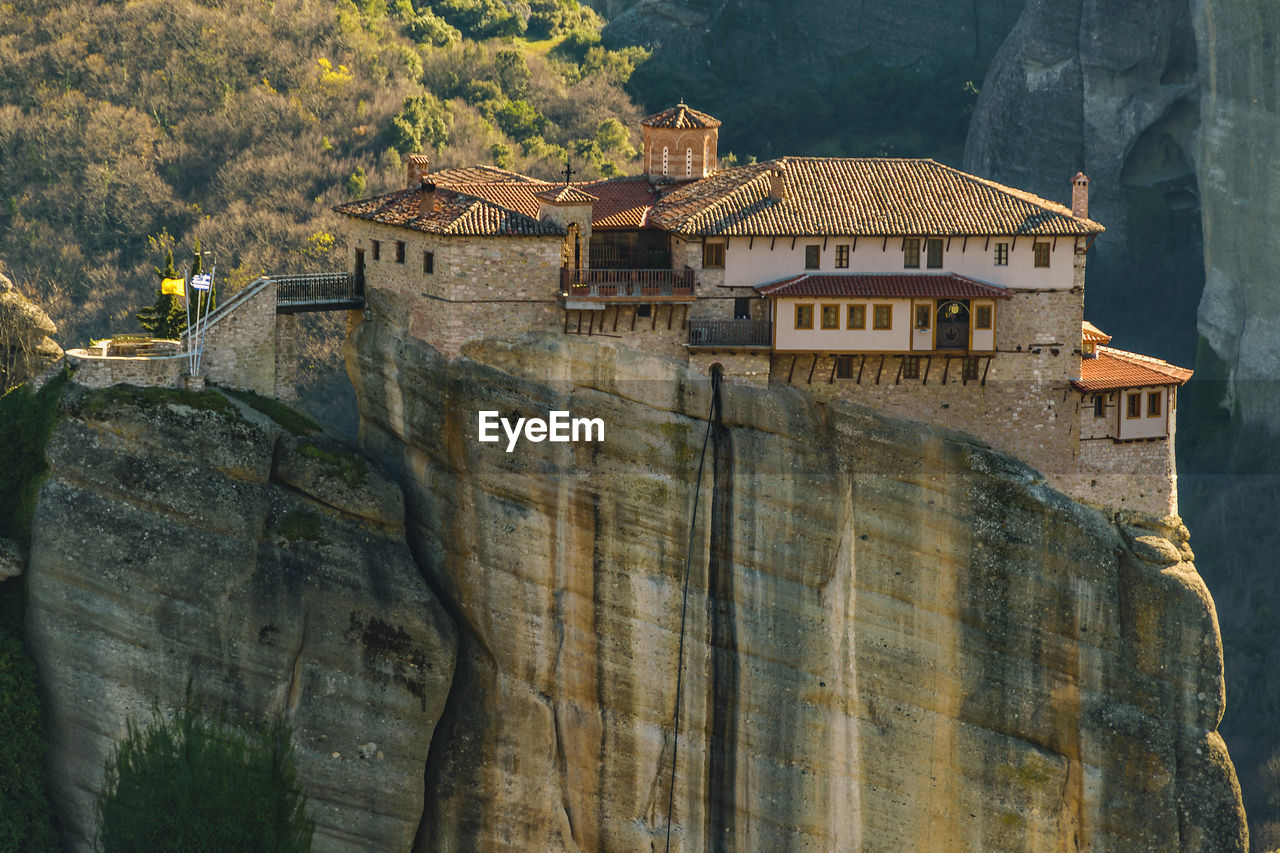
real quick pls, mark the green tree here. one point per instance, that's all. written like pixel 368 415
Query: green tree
pixel 167 316
pixel 195 784
pixel 422 121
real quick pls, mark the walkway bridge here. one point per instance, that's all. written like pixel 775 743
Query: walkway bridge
pixel 318 291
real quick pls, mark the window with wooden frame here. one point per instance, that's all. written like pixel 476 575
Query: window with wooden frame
pixel 712 255
pixel 428 262
pixel 1041 251
pixel 376 246
pixel 933 251
pixel 812 257
pixel 857 317
pixel 1002 254
pixel 882 317
pixel 1153 404
pixel 1133 405
pixel 924 315
pixel 844 367
pixel 1099 405
pixel 971 367
pixel 982 317
pixel 399 251
pixel 910 253
pixel 842 256
pixel 804 316
pixel 911 367
pixel 830 316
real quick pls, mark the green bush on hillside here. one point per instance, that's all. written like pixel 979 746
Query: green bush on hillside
pixel 26 421
pixel 195 784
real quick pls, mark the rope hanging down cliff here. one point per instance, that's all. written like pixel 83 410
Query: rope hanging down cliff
pixel 712 416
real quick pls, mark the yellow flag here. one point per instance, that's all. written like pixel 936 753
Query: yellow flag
pixel 172 286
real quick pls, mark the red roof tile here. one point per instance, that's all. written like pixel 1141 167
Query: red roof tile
pixel 900 285
pixel 1091 334
pixel 1113 368
pixel 565 195
pixel 452 213
pixel 861 196
pixel 680 116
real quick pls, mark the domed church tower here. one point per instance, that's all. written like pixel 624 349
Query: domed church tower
pixel 680 143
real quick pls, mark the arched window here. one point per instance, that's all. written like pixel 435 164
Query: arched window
pixel 688 162
pixel 665 151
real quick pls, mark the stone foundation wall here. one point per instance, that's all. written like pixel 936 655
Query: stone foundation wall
pixel 93 371
pixel 286 337
pixel 240 348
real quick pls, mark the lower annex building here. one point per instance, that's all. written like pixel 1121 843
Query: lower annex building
pixel 902 284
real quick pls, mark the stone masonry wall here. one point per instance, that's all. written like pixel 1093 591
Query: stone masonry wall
pixel 100 372
pixel 286 337
pixel 240 349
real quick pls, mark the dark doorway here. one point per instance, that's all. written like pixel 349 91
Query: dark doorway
pixel 360 271
pixel 953 325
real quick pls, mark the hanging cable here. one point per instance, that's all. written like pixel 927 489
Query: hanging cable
pixel 684 602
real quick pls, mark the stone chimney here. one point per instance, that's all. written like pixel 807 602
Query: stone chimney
pixel 416 166
pixel 778 181
pixel 1080 195
pixel 428 201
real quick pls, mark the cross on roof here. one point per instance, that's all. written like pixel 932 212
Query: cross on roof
pixel 568 171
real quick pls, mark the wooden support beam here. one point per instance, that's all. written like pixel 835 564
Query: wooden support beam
pixel 885 246
pixel 984 371
pixel 772 241
pixel 751 243
pixel 635 312
pixel 928 363
pixel 965 244
pixel 792 371
pixel 793 244
pixel 897 380
pixel 862 362
pixel 684 318
pixel 946 370
pixel 591 322
pixel 1055 242
pixel 579 321
pixel 880 370
pixel 653 317
pixel 814 364
pixel 987 244
pixel 855 243
pixel 948 243
pixel 831 380
pixel 566 321
pixel 824 244
pixel 671 313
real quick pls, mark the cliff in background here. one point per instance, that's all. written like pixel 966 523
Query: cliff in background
pixel 182 543
pixel 897 638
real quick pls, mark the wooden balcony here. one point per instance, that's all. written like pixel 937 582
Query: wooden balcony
pixel 629 285
pixel 729 334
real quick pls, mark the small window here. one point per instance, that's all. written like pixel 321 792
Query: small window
pixel 399 251
pixel 1002 254
pixel 712 255
pixel 830 316
pixel 971 367
pixel 1133 405
pixel 1099 405
pixel 911 367
pixel 1153 404
pixel 742 308
pixel 804 316
pixel 910 253
pixel 982 317
pixel 882 317
pixel 934 250
pixel 842 256
pixel 376 245
pixel 428 262
pixel 812 257
pixel 644 310
pixel 1042 254
pixel 857 317
pixel 844 367
pixel 688 162
pixel 923 313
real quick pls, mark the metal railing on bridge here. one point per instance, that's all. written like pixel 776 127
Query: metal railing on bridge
pixel 730 333
pixel 320 291
pixel 634 284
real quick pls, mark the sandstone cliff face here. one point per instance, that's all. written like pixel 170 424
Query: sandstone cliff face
pixel 27 347
pixel 897 639
pixel 176 544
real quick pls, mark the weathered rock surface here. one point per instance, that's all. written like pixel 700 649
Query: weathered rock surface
pixel 896 638
pixel 175 544
pixel 27 347
pixel 1239 181
pixel 11 559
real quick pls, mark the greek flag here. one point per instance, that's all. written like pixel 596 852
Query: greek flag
pixel 201 282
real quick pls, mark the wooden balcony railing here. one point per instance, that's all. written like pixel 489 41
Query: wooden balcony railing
pixel 634 284
pixel 730 333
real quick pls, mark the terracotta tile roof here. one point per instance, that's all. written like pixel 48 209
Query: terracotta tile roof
pixel 565 195
pixel 453 213
pixel 478 175
pixel 620 202
pixel 1091 334
pixel 861 196
pixel 932 285
pixel 680 116
pixel 1114 368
